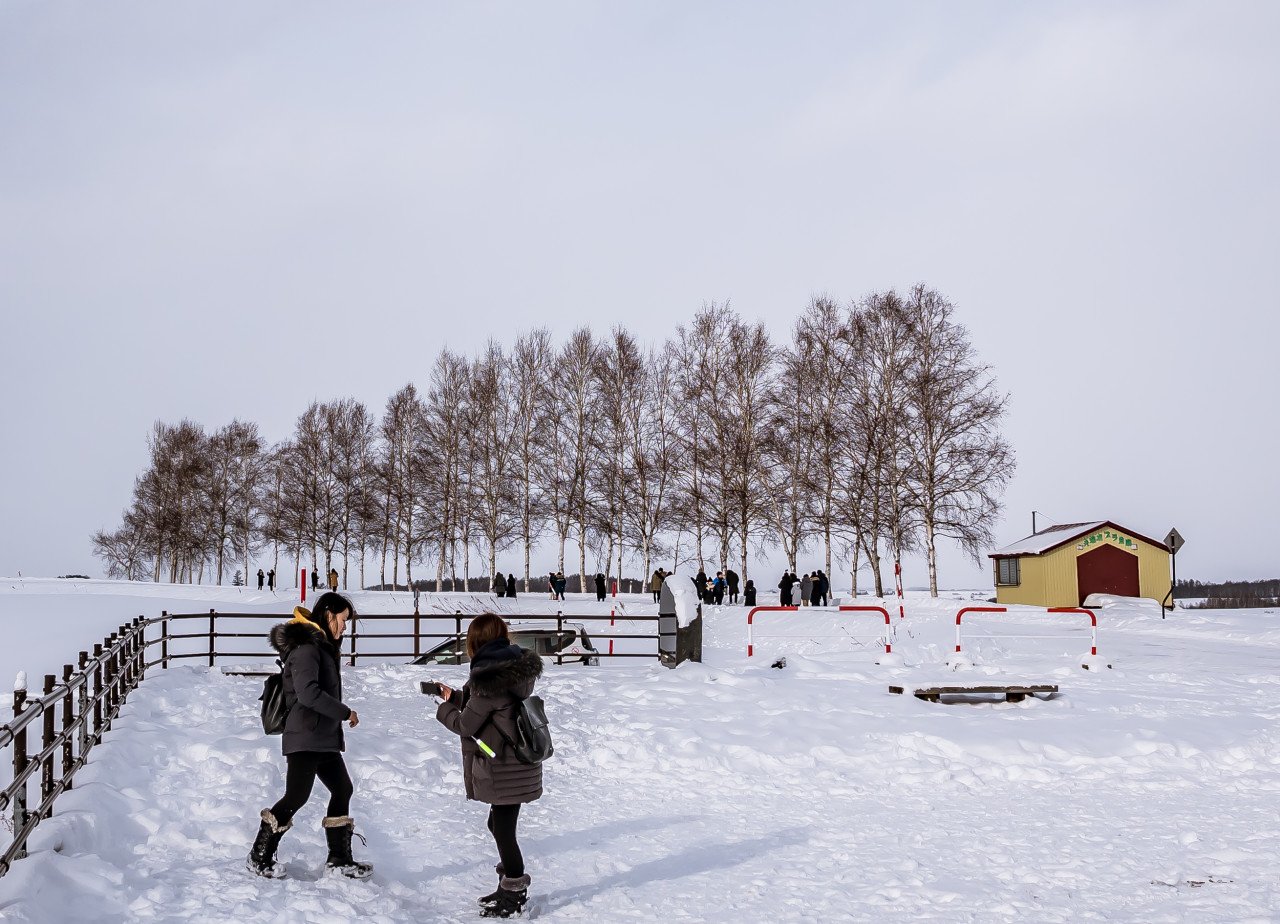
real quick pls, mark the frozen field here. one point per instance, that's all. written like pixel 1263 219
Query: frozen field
pixel 727 791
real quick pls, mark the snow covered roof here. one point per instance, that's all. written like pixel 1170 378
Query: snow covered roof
pixel 1046 540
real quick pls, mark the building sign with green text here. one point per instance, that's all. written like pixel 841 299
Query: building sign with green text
pixel 1107 535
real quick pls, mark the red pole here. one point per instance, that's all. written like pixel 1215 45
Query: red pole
pixel 897 574
pixel 303 584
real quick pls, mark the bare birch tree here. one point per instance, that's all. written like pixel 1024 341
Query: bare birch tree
pixel 958 462
pixel 531 369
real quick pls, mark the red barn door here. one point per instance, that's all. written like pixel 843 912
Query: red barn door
pixel 1107 570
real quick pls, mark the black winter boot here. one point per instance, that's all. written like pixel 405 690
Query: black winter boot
pixel 512 896
pixel 262 858
pixel 492 897
pixel 339 831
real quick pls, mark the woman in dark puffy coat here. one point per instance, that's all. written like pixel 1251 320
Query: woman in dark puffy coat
pixel 313 741
pixel 483 714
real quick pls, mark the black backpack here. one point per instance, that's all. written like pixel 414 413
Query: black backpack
pixel 274 709
pixel 532 744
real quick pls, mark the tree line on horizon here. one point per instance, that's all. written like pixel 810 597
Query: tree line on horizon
pixel 871 431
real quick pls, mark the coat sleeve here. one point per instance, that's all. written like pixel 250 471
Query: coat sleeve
pixel 469 720
pixel 304 664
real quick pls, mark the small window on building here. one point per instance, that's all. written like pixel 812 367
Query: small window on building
pixel 1007 571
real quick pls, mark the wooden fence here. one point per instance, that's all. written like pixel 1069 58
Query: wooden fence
pixel 75 711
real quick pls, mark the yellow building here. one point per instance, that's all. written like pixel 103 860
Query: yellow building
pixel 1062 565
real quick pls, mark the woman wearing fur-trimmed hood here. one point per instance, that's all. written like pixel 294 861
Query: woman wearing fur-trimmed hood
pixel 483 715
pixel 313 739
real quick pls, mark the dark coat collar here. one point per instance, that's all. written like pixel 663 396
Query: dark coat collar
pixel 499 666
pixel 294 634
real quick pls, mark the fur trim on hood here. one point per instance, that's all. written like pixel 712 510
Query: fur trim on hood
pixel 497 677
pixel 298 631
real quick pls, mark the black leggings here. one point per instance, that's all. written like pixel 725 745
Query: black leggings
pixel 304 768
pixel 502 825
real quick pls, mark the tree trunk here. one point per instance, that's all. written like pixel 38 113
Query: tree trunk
pixel 931 545
pixel 873 557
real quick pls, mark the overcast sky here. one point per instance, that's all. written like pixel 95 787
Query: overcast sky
pixel 222 210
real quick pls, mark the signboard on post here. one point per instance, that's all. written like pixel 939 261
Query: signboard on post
pixel 1174 541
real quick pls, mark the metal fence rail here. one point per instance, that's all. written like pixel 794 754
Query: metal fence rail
pixel 80 708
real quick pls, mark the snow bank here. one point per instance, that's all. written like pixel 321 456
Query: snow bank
pixel 730 791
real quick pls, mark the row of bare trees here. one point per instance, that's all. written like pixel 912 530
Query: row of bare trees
pixel 872 431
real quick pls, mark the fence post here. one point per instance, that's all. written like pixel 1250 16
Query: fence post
pixel 68 754
pixel 354 633
pixel 212 616
pixel 122 668
pixel 108 683
pixel 139 650
pixel 164 639
pixel 20 765
pixel 417 632
pixel 46 769
pixel 457 630
pixel 126 661
pixel 559 629
pixel 142 648
pixel 97 693
pixel 84 704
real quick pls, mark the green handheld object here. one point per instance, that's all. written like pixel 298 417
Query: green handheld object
pixel 488 751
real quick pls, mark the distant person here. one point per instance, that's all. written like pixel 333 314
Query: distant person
pixel 600 589
pixel 749 594
pixel 333 579
pixel 499 585
pixel 784 589
pixel 551 584
pixel 313 741
pixel 701 581
pixel 271 579
pixel 806 589
pixel 823 588
pixel 561 583
pixel 315 578
pixel 731 578
pixel 511 586
pixel 261 577
pixel 718 588
pixel 655 585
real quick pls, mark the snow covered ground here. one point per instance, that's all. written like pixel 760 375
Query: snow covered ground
pixel 729 791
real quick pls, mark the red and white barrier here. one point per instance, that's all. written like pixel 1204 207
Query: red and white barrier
pixel 888 622
pixel 1093 623
pixel 751 615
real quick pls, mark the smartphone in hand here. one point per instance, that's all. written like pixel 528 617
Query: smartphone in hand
pixel 430 687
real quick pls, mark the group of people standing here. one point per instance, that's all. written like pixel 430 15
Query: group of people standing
pixel 814 589
pixel 504 586
pixel 482 714
pixel 269 577
pixel 714 590
pixel 655 584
